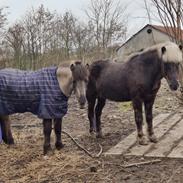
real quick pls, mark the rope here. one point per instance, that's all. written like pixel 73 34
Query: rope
pixel 82 148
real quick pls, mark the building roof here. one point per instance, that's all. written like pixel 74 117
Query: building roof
pixel 170 31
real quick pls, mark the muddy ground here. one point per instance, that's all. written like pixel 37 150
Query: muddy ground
pixel 24 162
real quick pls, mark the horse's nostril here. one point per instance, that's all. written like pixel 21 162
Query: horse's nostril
pixel 82 106
pixel 174 86
pixel 82 101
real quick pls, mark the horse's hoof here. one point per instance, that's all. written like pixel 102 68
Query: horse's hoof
pixel 48 154
pixel 143 141
pixel 91 130
pixel 92 135
pixel 99 134
pixel 47 149
pixel 9 141
pixel 59 145
pixel 153 139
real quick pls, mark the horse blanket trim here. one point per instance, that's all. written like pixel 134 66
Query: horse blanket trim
pixel 37 92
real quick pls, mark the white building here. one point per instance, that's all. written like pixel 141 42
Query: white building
pixel 147 36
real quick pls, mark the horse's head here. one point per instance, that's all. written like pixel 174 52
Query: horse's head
pixel 80 74
pixel 73 77
pixel 171 55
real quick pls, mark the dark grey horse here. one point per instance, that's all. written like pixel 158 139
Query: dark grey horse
pixel 137 80
pixel 44 93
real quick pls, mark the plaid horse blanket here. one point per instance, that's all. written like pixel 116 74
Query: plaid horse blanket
pixel 37 92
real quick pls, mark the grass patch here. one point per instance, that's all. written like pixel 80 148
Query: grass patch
pixel 125 106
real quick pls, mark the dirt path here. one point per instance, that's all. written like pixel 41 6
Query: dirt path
pixel 25 163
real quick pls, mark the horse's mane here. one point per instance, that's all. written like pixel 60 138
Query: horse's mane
pixel 80 71
pixel 97 66
pixel 131 56
pixel 69 62
pixel 172 53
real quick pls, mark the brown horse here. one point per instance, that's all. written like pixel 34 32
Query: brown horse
pixel 44 93
pixel 137 80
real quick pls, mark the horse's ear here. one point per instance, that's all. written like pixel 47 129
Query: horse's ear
pixel 87 66
pixel 180 47
pixel 72 67
pixel 163 50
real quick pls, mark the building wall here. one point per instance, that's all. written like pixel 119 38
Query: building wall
pixel 142 40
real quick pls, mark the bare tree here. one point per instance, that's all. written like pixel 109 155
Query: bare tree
pixel 83 39
pixel 170 14
pixel 37 25
pixel 108 20
pixel 66 31
pixel 42 37
pixel 3 20
pixel 15 38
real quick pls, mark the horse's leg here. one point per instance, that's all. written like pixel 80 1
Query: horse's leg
pixel 58 130
pixel 91 105
pixel 137 105
pixel 148 104
pixel 98 112
pixel 6 130
pixel 47 127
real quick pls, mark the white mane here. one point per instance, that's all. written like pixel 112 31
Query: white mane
pixel 131 56
pixel 172 53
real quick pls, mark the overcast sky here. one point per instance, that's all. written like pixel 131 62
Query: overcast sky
pixel 17 9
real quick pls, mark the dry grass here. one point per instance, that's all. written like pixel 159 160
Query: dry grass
pixel 24 162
